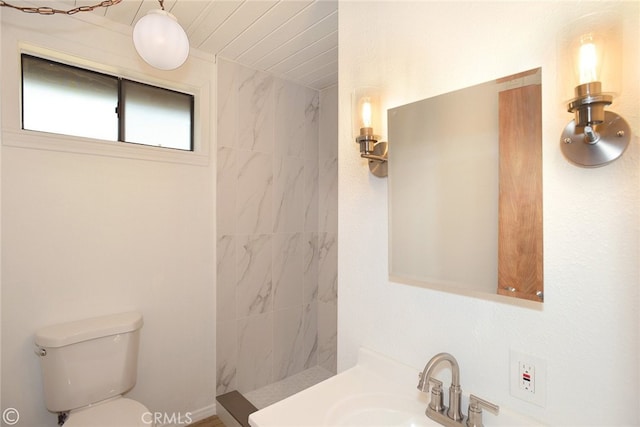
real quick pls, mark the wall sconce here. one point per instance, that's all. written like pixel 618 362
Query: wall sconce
pixel 160 40
pixel 595 137
pixel 366 117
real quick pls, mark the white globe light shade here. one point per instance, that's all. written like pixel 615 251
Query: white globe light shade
pixel 160 40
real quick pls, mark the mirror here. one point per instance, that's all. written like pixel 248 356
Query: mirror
pixel 465 189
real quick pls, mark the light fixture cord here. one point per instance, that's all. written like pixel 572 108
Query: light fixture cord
pixel 42 10
pixel 161 4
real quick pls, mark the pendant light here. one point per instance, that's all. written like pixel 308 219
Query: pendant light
pixel 160 40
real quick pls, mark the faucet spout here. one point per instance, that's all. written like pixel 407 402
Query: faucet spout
pixel 436 360
pixel 455 392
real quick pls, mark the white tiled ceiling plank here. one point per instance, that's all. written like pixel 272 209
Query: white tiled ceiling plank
pixel 243 17
pixel 215 14
pixel 187 12
pixel 327 80
pixel 266 24
pixel 81 3
pixel 315 12
pixel 295 39
pixel 318 62
pixel 147 5
pixel 318 74
pixel 124 12
pixel 128 12
pixel 317 31
pixel 62 4
pixel 312 67
pixel 306 54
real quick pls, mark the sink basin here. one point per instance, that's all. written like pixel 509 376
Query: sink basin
pixel 378 409
pixel 376 392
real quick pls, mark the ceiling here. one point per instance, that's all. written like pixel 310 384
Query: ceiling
pixel 294 39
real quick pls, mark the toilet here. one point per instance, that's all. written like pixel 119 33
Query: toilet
pixel 87 365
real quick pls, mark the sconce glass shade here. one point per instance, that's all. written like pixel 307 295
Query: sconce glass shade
pixel 160 40
pixel 589 102
pixel 589 50
pixel 366 117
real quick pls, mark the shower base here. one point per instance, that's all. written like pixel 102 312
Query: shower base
pixel 280 390
pixel 234 408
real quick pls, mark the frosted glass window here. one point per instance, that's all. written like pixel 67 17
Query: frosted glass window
pixel 61 99
pixel 68 100
pixel 156 116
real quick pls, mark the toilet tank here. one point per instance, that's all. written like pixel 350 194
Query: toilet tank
pixel 86 361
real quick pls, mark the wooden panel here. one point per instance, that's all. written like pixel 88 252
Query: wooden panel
pixel 520 246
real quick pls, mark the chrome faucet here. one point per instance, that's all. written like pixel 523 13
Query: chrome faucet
pixel 455 393
pixel 437 411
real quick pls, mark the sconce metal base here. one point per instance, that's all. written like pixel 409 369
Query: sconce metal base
pixel 378 159
pixel 612 138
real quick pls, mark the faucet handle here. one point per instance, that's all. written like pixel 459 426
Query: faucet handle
pixel 426 381
pixel 436 383
pixel 476 405
pixel 436 402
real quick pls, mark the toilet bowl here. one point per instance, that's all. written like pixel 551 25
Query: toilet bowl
pixel 87 366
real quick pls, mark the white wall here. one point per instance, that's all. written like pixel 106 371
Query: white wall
pixel 89 234
pixel 587 330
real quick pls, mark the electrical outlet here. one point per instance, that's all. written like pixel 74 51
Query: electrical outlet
pixel 527 378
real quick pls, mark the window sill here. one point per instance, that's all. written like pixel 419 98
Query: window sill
pixel 71 144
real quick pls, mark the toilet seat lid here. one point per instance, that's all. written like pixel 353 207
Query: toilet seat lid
pixel 120 412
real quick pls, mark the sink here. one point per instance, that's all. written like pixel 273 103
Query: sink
pixel 377 391
pixel 378 409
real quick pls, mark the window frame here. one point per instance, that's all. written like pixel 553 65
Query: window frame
pixel 121 102
pixel 122 124
pixel 196 84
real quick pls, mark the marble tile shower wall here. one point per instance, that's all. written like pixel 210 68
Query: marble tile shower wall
pixel 276 230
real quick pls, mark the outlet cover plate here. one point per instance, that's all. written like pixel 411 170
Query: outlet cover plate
pixel 536 394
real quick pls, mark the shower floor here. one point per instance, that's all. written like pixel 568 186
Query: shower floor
pixel 272 393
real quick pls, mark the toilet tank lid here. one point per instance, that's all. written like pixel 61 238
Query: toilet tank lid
pixel 82 330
